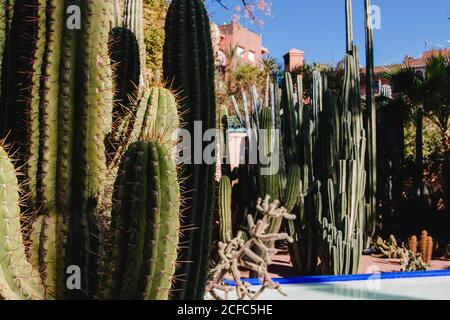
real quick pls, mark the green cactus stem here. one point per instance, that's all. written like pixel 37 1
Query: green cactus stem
pixel 18 279
pixel 60 114
pixel 189 68
pixel 225 215
pixel 145 225
pixel 134 20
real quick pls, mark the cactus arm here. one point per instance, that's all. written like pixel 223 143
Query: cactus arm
pixel 169 227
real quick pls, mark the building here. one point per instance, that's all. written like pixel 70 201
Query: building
pixel 293 59
pixel 419 64
pixel 248 43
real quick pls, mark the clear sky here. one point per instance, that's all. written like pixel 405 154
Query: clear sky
pixel 318 27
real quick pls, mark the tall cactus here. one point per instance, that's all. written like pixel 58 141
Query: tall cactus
pixel 145 225
pixel 189 67
pixel 371 128
pixel 226 228
pixel 6 11
pixel 153 114
pixel 18 280
pixel 134 20
pixel 67 105
pixel 124 53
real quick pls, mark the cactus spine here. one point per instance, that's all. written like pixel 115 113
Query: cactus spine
pixel 18 280
pixel 145 224
pixel 189 67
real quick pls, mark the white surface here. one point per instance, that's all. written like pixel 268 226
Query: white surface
pixel 432 288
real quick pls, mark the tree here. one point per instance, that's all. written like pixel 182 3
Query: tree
pixel 253 11
pixel 426 94
pixel 270 66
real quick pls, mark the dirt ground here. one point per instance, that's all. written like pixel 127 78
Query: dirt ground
pixel 282 266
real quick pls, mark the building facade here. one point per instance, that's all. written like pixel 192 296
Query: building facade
pixel 419 64
pixel 248 43
pixel 293 59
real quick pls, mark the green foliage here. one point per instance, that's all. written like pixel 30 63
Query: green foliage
pixel 247 75
pixel 154 16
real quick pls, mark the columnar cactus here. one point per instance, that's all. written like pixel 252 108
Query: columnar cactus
pixel 371 128
pixel 145 225
pixel 18 279
pixel 124 53
pixel 134 20
pixel 157 116
pixel 189 68
pixel 225 215
pixel 67 104
pixel 6 11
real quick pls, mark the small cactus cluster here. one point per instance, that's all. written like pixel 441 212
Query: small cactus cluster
pixel 413 262
pixel 424 246
pixel 97 186
pixel 390 249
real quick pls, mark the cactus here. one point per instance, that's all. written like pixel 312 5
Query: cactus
pixel 226 228
pixel 390 249
pixel 426 247
pixel 371 129
pixel 18 279
pixel 189 67
pixel 117 13
pixel 268 177
pixel 67 103
pixel 153 115
pixel 124 53
pixel 145 225
pixel 412 244
pixel 6 11
pixel 134 20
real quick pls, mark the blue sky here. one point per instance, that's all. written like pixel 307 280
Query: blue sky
pixel 318 27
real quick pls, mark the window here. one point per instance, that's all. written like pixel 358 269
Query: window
pixel 240 52
pixel 251 56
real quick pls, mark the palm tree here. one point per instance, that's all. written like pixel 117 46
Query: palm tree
pixel 426 94
pixel 408 85
pixel 270 66
pixel 232 60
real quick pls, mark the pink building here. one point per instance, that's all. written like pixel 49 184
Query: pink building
pixel 293 59
pixel 249 44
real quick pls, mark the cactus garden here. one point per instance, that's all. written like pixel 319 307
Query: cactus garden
pixel 146 156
